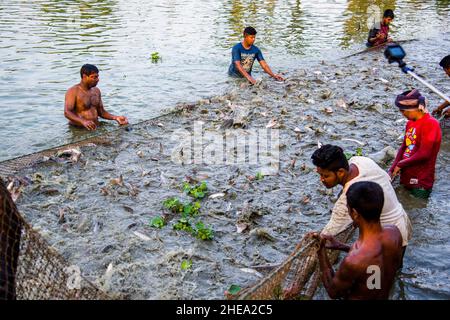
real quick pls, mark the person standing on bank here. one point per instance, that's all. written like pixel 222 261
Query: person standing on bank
pixel 243 56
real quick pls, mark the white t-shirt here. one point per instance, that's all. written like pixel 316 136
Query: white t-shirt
pixel 392 213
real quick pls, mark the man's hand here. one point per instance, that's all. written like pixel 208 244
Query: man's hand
pixel 316 235
pixel 332 243
pixel 90 125
pixel 438 112
pixel 312 234
pixel 121 120
pixel 278 77
pixel 252 80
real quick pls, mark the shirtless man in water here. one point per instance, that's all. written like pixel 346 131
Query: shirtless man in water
pixel 368 271
pixel 83 104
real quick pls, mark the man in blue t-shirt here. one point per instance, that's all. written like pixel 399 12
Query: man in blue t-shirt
pixel 244 54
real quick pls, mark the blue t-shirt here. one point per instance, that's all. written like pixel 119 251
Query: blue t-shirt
pixel 246 57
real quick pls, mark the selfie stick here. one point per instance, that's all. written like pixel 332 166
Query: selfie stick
pixel 409 71
pixel 395 53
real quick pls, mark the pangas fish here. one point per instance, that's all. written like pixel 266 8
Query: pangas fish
pixel 107 276
pixel 241 227
pixel 62 218
pixel 217 195
pixel 140 154
pixel 14 188
pixel 117 181
pixel 141 236
pixel 73 155
pixel 325 94
pixel 273 124
pixel 341 104
pixel 252 271
pixel 384 156
pixel 354 140
pixel 262 233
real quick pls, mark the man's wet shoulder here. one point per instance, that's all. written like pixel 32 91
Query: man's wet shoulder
pixel 73 90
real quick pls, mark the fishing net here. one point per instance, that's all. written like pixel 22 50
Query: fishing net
pixel 12 166
pixel 29 267
pixel 297 277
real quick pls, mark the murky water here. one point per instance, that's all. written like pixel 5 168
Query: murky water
pixel 43 43
pixel 102 217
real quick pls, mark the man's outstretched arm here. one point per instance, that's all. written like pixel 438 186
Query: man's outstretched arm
pixel 439 109
pixel 70 114
pixel 267 69
pixel 244 73
pixel 334 244
pixel 337 284
pixel 102 113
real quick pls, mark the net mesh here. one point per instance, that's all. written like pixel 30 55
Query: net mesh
pixel 298 277
pixel 31 269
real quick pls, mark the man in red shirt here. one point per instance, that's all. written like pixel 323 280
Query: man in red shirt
pixel 416 158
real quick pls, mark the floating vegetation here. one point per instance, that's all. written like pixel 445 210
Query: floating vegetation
pixel 155 57
pixel 186 265
pixel 357 153
pixel 157 222
pixel 197 192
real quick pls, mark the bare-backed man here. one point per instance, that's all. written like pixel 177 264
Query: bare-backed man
pixel 368 271
pixel 83 103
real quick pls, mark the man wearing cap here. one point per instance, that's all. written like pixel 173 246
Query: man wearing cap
pixel 244 54
pixel 416 158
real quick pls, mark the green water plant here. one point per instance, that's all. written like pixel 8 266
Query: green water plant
pixel 186 265
pixel 157 222
pixel 186 209
pixel 174 205
pixel 155 57
pixel 183 224
pixel 202 232
pixel 197 191
pixel 199 231
pixel 234 289
pixel 358 152
pixel 191 209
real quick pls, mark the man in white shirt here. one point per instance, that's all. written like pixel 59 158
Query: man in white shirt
pixel 334 169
